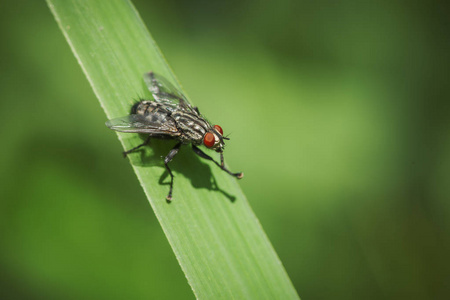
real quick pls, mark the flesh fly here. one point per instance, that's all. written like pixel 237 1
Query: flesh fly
pixel 171 116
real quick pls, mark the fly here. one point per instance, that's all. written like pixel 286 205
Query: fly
pixel 170 116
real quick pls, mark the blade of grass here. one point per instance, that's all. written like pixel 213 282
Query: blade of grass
pixel 214 234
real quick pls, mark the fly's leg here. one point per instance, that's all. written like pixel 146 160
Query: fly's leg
pixel 137 147
pixel 221 165
pixel 168 158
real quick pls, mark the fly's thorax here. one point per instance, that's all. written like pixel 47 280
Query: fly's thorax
pixel 192 126
pixel 197 130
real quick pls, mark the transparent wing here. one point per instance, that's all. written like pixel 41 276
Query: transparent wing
pixel 164 92
pixel 158 124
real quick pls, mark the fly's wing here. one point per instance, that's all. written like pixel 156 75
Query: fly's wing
pixel 164 92
pixel 153 124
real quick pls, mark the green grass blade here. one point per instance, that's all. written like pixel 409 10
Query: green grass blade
pixel 216 238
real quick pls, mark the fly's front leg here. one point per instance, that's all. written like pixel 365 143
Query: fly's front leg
pixel 168 158
pixel 125 153
pixel 221 165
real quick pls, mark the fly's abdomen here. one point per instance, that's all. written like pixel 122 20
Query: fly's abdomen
pixel 145 108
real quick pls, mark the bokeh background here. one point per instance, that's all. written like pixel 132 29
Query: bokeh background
pixel 339 114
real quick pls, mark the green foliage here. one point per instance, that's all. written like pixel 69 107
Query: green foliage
pixel 338 114
pixel 216 238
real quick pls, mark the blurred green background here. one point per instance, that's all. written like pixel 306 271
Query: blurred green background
pixel 339 114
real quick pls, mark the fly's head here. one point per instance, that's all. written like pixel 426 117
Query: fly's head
pixel 213 139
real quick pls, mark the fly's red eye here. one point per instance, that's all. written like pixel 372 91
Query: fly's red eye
pixel 209 140
pixel 219 129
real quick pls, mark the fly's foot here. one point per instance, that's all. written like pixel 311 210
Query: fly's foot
pixel 125 153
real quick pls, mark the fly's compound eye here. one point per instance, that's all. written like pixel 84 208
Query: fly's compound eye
pixel 209 140
pixel 219 129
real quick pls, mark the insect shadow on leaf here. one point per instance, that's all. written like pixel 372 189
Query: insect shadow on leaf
pixel 196 170
pixel 186 164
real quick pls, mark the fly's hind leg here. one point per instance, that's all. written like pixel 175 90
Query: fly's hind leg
pixel 221 165
pixel 168 158
pixel 125 153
